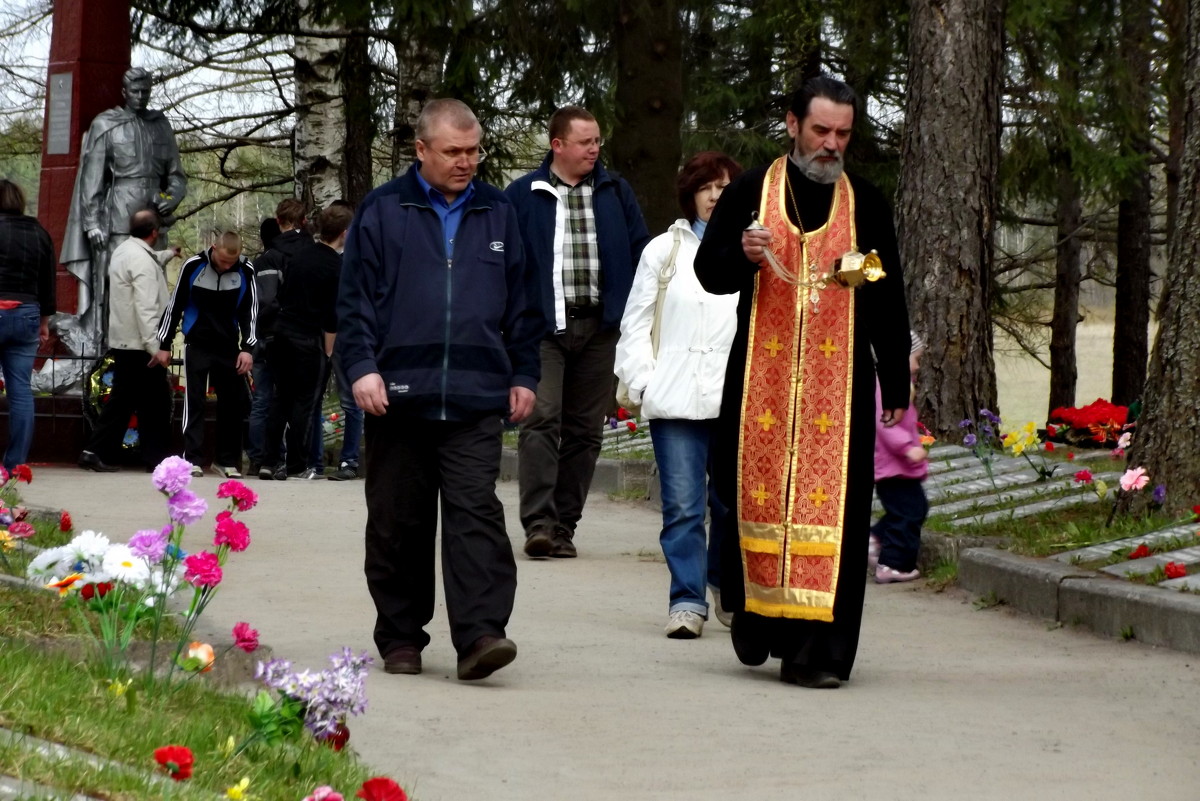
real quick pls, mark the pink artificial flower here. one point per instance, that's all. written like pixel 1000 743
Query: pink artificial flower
pixel 324 793
pixel 21 530
pixel 1134 479
pixel 243 497
pixel 245 637
pixel 231 532
pixel 202 569
pixel 1118 453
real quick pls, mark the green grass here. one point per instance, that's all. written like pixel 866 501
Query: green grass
pixel 942 575
pixel 59 699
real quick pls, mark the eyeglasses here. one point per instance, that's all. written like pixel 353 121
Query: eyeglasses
pixel 598 142
pixel 473 155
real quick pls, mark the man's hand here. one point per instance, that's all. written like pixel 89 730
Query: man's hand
pixel 96 238
pixel 755 242
pixel 890 417
pixel 520 403
pixel 244 362
pixel 43 332
pixel 162 358
pixel 370 395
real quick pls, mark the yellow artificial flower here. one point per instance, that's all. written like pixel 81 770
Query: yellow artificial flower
pixel 1029 427
pixel 238 791
pixel 7 543
pixel 1101 489
pixel 65 585
pixel 117 688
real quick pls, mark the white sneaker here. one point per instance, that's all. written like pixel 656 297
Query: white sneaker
pixel 873 549
pixel 197 471
pixel 685 625
pixel 311 474
pixel 723 617
pixel 226 472
pixel 886 575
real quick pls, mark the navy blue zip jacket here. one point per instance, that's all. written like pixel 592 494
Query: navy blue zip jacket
pixel 620 232
pixel 448 338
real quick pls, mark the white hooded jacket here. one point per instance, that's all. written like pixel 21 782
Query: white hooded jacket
pixel 685 380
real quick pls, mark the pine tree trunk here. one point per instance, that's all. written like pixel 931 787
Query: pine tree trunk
pixel 1131 330
pixel 320 142
pixel 649 99
pixel 947 202
pixel 1167 442
pixel 1064 373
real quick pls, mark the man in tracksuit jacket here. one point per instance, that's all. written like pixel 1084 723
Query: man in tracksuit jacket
pixel 216 302
pixel 584 233
pixel 438 332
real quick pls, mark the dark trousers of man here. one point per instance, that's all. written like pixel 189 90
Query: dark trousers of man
pixel 899 530
pixel 297 368
pixel 136 389
pixel 200 367
pixel 560 441
pixel 410 463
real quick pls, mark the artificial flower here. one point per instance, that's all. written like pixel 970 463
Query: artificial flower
pixel 969 441
pixel 1159 495
pixel 1124 439
pixel 176 760
pixel 186 507
pixel 324 793
pixel 204 655
pixel 202 569
pixel 244 497
pixel 3 475
pixel 22 473
pixel 229 747
pixel 172 475
pixel 7 543
pixel 1101 489
pixel 233 533
pixel 64 585
pixel 1051 430
pixel 1118 453
pixel 149 544
pixel 622 413
pixel 1070 456
pixel 965 423
pixel 928 439
pixel 117 688
pixel 381 788
pixel 87 546
pixel 1196 511
pixel 1083 477
pixel 1140 552
pixel 46 565
pixel 95 590
pixel 122 565
pixel 1174 570
pixel 238 791
pixel 1099 413
pixel 245 637
pixel 64 521
pixel 337 738
pixel 1134 479
pixel 21 530
pixel 632 426
pixel 1049 446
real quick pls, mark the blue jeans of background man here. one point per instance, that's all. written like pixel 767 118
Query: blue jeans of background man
pixel 352 429
pixel 18 348
pixel 260 404
pixel 681 448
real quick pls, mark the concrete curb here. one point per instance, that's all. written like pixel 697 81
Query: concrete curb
pixel 1066 594
pixel 612 475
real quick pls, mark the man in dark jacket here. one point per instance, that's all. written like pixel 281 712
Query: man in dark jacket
pixel 583 233
pixel 216 302
pixel 438 331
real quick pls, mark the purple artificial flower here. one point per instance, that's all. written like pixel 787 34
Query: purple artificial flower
pixel 969 440
pixel 186 507
pixel 966 423
pixel 172 475
pixel 988 415
pixel 149 545
pixel 987 430
pixel 1159 496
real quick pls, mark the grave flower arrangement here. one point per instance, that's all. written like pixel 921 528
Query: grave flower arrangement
pixel 1022 442
pixel 126 583
pixel 1099 424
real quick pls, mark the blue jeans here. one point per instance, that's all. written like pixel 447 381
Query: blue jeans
pixel 260 405
pixel 681 448
pixel 351 432
pixel 899 530
pixel 18 348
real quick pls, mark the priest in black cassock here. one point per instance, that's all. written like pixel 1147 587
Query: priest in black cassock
pixel 794 452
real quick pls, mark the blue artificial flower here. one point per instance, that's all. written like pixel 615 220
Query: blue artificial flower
pixel 969 440
pixel 966 423
pixel 987 430
pixel 1159 496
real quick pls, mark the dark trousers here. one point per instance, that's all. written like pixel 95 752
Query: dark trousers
pixel 200 367
pixel 297 369
pixel 410 463
pixel 136 389
pixel 899 530
pixel 560 441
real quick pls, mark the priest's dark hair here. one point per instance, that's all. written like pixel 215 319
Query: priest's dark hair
pixel 708 165
pixel 826 87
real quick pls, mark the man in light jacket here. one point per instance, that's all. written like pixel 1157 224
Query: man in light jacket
pixel 138 293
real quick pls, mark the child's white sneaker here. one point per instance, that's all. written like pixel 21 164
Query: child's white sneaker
pixel 886 575
pixel 873 548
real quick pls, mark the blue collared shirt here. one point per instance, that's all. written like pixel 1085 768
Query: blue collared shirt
pixel 450 214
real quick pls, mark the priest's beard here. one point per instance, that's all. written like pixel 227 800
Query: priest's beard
pixel 821 172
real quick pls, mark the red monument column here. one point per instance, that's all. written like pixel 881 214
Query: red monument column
pixel 89 52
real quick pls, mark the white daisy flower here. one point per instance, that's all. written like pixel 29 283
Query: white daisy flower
pixel 45 566
pixel 88 548
pixel 121 565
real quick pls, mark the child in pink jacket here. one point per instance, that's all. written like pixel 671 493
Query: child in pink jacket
pixel 901 464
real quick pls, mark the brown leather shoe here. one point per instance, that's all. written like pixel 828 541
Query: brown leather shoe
pixel 404 659
pixel 486 656
pixel 539 540
pixel 564 545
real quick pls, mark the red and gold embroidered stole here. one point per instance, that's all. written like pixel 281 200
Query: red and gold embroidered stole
pixel 795 424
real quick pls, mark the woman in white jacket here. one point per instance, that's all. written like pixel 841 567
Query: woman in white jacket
pixel 680 387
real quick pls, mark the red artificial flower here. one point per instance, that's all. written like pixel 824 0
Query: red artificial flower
pixel 90 591
pixel 20 530
pixel 1083 477
pixel 64 521
pixel 175 760
pixel 1174 570
pixel 1196 511
pixel 1140 552
pixel 622 413
pixel 23 473
pixel 333 417
pixel 381 788
pixel 245 637
pixel 233 533
pixel 243 497
pixel 1070 456
pixel 1051 430
pixel 337 738
pixel 632 426
pixel 1049 446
